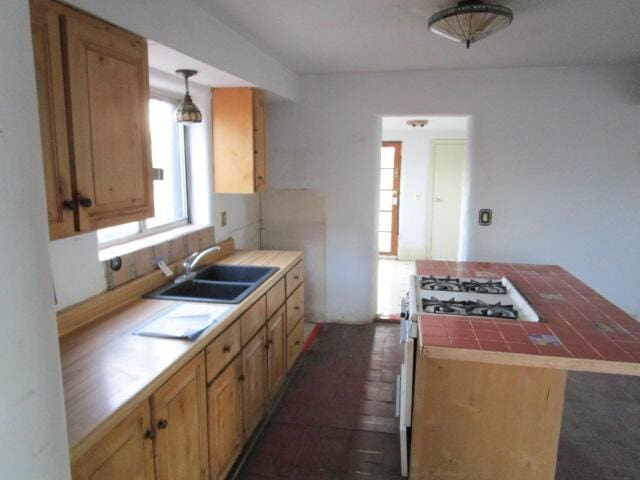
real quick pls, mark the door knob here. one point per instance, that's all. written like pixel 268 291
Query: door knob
pixel 438 200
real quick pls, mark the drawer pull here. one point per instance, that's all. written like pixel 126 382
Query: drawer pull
pixel 297 342
pixel 162 424
pixel 297 307
pixel 296 277
pixel 226 349
pixel 241 378
pixel 150 434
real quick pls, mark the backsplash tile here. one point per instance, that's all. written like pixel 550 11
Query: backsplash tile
pixel 143 262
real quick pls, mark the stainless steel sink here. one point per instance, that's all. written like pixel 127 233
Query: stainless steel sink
pixel 216 284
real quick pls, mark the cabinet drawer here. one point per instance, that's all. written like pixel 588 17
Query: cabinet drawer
pixel 222 350
pixel 294 344
pixel 295 308
pixel 275 298
pixel 295 277
pixel 253 319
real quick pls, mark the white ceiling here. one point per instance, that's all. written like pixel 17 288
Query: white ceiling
pixel 168 60
pixel 450 124
pixel 320 36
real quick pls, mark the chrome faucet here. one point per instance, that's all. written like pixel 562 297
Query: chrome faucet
pixel 191 261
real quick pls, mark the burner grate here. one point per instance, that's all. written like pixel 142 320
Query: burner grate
pixel 476 308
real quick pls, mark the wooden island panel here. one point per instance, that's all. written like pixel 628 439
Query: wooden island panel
pixel 485 422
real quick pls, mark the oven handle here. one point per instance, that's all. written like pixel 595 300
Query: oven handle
pixel 398 394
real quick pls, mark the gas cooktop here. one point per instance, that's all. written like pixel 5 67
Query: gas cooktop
pixel 474 297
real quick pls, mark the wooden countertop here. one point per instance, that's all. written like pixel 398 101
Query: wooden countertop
pixel 107 371
pixel 581 330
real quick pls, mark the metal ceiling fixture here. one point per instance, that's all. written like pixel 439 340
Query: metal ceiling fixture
pixel 470 21
pixel 417 123
pixel 186 112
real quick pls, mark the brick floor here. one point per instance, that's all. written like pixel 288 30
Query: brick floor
pixel 337 419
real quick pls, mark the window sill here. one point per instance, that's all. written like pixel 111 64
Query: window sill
pixel 108 253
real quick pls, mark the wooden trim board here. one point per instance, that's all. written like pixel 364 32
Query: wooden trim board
pixel 81 314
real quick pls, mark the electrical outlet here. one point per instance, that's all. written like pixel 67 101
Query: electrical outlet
pixel 223 219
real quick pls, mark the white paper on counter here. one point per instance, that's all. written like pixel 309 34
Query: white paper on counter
pixel 185 321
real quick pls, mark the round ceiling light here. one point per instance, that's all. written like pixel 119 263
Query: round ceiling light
pixel 470 21
pixel 421 123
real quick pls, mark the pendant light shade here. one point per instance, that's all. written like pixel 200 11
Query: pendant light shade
pixel 187 112
pixel 470 21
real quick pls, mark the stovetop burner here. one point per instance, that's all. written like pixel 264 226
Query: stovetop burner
pixel 450 284
pixel 468 308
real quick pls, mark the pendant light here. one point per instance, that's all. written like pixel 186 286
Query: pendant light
pixel 186 112
pixel 470 21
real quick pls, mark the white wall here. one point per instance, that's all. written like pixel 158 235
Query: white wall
pixel 191 29
pixel 416 188
pixel 554 151
pixel 33 440
pixel 77 272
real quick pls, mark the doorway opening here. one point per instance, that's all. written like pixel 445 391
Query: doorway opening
pixel 422 160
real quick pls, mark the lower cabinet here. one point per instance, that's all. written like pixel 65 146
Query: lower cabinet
pixel 294 343
pixel 276 352
pixel 225 419
pixel 253 381
pixel 126 452
pixel 180 421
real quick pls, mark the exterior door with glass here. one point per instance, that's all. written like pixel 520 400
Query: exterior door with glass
pixel 391 157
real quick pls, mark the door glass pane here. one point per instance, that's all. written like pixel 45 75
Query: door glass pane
pixel 386 179
pixel 386 197
pixel 385 222
pixel 384 241
pixel 167 154
pixel 388 157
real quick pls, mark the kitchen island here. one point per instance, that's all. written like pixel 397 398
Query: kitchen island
pixel 489 393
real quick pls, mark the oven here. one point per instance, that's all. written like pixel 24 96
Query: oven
pixel 404 385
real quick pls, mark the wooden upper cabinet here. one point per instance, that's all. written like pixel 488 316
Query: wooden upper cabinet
pixel 47 52
pixel 239 140
pixel 225 419
pixel 126 452
pixel 93 94
pixel 108 89
pixel 180 419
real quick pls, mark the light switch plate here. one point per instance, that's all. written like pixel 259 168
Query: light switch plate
pixel 485 217
pixel 223 219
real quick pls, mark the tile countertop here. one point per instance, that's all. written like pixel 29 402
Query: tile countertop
pixel 107 371
pixel 580 329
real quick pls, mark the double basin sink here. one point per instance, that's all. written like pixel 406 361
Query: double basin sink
pixel 216 284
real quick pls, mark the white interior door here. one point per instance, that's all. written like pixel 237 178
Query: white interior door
pixel 448 162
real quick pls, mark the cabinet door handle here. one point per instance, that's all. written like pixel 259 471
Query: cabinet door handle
pixel 69 204
pixel 296 277
pixel 241 377
pixel 297 307
pixel 226 349
pixel 297 342
pixel 162 424
pixel 150 434
pixel 85 202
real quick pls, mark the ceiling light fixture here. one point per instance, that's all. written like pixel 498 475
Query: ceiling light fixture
pixel 417 123
pixel 470 21
pixel 186 112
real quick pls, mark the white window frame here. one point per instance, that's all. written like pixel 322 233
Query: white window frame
pixel 147 232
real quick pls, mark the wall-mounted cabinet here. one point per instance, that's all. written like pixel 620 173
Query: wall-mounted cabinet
pixel 239 140
pixel 93 96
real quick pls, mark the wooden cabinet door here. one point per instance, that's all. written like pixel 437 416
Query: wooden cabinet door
pixel 259 140
pixel 253 385
pixel 225 419
pixel 180 419
pixel 125 453
pixel 276 351
pixel 108 95
pixel 47 52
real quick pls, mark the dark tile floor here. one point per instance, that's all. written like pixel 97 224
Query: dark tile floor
pixel 336 420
